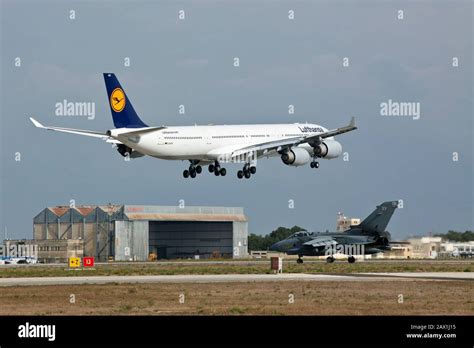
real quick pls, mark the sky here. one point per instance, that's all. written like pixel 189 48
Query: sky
pixel 423 58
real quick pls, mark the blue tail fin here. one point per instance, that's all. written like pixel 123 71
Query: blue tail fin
pixel 123 114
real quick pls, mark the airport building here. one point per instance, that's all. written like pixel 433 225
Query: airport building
pixel 343 223
pixel 138 232
pixel 425 247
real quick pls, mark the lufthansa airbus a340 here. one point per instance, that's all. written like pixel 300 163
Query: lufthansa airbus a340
pixel 296 144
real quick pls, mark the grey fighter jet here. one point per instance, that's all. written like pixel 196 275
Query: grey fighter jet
pixel 369 237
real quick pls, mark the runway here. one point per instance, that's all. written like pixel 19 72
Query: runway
pixel 229 278
pixel 253 262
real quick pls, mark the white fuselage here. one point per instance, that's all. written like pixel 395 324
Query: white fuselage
pixel 207 143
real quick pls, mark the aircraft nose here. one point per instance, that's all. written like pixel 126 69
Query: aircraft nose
pixel 276 246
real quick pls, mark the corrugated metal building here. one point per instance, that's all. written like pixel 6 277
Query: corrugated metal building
pixel 132 232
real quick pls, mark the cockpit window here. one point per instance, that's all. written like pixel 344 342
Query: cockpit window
pixel 299 235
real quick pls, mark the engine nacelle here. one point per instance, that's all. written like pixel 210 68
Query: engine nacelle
pixel 296 156
pixel 125 151
pixel 328 149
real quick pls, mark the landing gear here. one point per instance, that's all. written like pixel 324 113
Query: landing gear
pixel 330 259
pixel 351 259
pixel 247 171
pixel 314 164
pixel 193 170
pixel 299 260
pixel 216 169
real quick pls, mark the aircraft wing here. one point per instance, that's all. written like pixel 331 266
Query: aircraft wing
pixel 279 145
pixel 88 133
pixel 320 241
pixel 333 240
pixel 104 136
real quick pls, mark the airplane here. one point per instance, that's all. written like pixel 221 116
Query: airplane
pixel 296 144
pixel 7 260
pixel 369 237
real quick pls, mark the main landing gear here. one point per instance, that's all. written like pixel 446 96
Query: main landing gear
pixel 247 171
pixel 194 169
pixel 299 260
pixel 331 259
pixel 216 169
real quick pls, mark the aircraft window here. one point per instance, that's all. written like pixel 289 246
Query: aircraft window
pixel 227 136
pixel 299 234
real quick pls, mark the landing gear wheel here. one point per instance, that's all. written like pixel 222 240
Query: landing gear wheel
pixel 222 171
pixel 253 170
pixel 216 172
pixel 330 259
pixel 351 259
pixel 314 164
pixel 211 168
pixel 198 169
pixel 247 174
pixel 186 173
pixel 192 173
pixel 300 260
pixel 240 174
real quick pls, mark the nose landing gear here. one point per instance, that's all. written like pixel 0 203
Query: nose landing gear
pixel 314 164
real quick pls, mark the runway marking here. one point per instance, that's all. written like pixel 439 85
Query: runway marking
pixel 228 278
pixel 426 275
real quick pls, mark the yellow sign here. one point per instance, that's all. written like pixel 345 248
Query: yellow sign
pixel 74 262
pixel 117 100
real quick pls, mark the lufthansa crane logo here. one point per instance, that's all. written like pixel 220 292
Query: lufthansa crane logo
pixel 117 100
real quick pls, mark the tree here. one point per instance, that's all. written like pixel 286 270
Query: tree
pixel 257 242
pixel 457 236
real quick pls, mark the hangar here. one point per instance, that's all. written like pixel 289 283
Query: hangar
pixel 133 232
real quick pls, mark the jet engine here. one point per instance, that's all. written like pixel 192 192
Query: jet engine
pixel 296 156
pixel 124 150
pixel 384 240
pixel 328 149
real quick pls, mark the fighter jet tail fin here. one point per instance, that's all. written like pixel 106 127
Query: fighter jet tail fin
pixel 378 220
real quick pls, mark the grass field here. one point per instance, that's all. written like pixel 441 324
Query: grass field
pixel 262 298
pixel 237 268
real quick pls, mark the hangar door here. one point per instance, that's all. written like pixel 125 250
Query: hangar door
pixel 184 239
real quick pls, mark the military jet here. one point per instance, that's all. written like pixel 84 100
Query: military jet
pixel 369 237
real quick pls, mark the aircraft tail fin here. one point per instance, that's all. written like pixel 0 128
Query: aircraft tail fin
pixel 123 113
pixel 378 220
